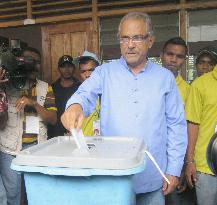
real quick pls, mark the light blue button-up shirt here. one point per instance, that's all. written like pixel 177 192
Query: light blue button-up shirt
pixel 145 105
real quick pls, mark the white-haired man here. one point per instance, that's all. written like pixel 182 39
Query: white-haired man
pixel 140 99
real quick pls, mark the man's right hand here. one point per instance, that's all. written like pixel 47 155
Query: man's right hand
pixel 190 173
pixel 182 186
pixel 73 117
pixel 2 75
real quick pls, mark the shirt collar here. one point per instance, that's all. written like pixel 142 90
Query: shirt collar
pixel 124 63
pixel 178 79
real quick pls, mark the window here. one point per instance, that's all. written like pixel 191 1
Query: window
pixel 202 32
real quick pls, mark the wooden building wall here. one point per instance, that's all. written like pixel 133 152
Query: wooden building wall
pixel 47 14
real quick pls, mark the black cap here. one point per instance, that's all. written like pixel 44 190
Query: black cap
pixel 210 51
pixel 65 59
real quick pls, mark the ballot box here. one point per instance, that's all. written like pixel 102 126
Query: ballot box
pixel 56 172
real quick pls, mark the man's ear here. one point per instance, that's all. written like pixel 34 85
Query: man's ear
pixel 151 41
pixel 161 55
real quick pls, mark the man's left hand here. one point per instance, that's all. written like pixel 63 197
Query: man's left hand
pixel 168 188
pixel 23 101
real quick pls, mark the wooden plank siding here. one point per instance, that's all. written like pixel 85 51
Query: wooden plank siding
pixel 64 39
pixel 14 12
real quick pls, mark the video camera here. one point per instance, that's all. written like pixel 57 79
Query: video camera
pixel 17 67
pixel 211 154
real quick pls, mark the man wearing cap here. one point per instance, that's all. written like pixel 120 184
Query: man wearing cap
pixel 63 88
pixel 206 60
pixel 201 113
pixel 87 64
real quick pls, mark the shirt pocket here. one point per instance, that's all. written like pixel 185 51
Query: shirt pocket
pixel 12 116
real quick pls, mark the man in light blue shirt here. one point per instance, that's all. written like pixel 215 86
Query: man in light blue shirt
pixel 138 99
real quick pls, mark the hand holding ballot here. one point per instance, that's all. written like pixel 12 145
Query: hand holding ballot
pixel 73 117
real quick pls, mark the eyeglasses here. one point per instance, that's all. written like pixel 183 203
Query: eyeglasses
pixel 134 39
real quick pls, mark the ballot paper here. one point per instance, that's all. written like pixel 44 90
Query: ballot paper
pixel 32 124
pixel 80 140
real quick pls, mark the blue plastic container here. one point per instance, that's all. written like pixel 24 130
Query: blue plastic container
pixel 46 185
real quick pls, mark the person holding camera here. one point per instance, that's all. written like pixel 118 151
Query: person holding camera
pixel 3 121
pixel 34 104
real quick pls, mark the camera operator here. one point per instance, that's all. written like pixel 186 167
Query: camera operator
pixel 29 110
pixel 3 120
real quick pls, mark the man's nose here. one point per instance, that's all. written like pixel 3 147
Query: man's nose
pixel 173 58
pixel 88 73
pixel 206 65
pixel 131 44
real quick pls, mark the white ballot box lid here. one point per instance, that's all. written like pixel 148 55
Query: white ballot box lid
pixel 107 153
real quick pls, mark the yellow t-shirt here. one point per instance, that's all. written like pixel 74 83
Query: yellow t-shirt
pixel 183 88
pixel 87 126
pixel 201 108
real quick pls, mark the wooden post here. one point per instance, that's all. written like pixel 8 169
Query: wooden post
pixel 183 31
pixel 29 9
pixel 183 20
pixel 95 23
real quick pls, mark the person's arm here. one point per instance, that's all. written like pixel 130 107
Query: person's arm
pixel 48 116
pixel 176 137
pixel 3 100
pixel 194 109
pixel 3 109
pixel 190 170
pixel 73 117
pixel 3 120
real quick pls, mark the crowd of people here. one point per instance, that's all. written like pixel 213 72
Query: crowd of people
pixel 131 96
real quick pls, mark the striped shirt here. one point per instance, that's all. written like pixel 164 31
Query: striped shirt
pixel 49 104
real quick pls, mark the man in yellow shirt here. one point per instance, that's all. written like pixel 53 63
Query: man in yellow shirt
pixel 206 60
pixel 87 64
pixel 201 113
pixel 173 58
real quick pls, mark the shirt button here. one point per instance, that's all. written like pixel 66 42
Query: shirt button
pixel 135 90
pixel 135 102
pixel 135 78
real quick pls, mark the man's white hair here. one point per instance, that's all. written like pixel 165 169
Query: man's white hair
pixel 138 16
